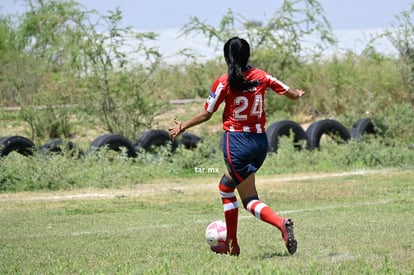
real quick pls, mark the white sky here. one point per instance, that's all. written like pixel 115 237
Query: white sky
pixel 354 22
pixel 163 14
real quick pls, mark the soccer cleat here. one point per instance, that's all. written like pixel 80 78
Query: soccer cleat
pixel 288 236
pixel 224 248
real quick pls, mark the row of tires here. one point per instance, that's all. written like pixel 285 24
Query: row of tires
pixel 150 140
pixel 311 138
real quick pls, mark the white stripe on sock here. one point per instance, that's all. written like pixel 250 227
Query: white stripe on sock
pixel 258 210
pixel 227 195
pixel 230 206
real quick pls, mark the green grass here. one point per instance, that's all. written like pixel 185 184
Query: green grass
pixel 112 170
pixel 359 223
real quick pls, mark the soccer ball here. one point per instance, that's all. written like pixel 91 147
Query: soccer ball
pixel 216 232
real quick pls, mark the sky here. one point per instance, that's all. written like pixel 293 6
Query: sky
pixel 166 14
pixel 353 22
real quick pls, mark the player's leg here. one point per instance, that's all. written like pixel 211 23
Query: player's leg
pixel 230 205
pixel 243 162
pixel 251 202
pixel 231 212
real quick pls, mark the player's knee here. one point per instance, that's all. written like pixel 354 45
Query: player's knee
pixel 249 199
pixel 229 183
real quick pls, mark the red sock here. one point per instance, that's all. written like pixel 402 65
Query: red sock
pixel 263 212
pixel 231 212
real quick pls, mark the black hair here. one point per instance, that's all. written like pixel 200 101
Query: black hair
pixel 237 53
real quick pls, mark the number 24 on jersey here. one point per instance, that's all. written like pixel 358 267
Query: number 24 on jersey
pixel 244 108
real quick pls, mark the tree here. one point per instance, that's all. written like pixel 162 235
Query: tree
pixel 70 59
pixel 278 45
pixel 9 57
pixel 402 37
pixel 284 32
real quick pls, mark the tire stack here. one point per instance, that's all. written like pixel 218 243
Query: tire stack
pixel 314 133
pixel 151 140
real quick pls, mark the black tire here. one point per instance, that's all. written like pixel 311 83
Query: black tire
pixel 58 146
pixel 21 145
pixel 113 142
pixel 330 127
pixel 190 141
pixel 151 139
pixel 362 127
pixel 285 128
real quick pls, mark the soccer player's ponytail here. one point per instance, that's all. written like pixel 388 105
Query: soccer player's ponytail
pixel 237 53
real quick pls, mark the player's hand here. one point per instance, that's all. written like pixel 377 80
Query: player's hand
pixel 176 130
pixel 301 92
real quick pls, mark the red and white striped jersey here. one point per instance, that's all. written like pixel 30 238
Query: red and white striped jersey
pixel 243 111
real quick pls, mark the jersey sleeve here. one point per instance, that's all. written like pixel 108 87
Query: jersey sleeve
pixel 215 97
pixel 276 85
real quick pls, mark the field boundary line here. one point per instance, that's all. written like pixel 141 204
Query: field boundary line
pixel 242 217
pixel 152 189
pixel 333 175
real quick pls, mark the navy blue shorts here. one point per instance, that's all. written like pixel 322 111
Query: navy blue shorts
pixel 244 153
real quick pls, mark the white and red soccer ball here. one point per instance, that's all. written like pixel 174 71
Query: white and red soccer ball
pixel 216 232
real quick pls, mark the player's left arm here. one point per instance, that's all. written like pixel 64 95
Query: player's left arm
pixel 294 94
pixel 283 89
pixel 180 126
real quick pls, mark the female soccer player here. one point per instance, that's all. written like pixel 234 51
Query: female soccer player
pixel 245 146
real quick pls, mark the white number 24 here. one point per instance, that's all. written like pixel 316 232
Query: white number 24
pixel 243 104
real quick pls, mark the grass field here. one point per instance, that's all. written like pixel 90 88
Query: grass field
pixel 346 223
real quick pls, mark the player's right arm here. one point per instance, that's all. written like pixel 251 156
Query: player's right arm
pixel 213 101
pixel 197 119
pixel 179 127
pixel 216 95
pixel 210 107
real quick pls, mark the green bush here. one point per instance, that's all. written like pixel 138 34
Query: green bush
pixel 108 169
pixel 69 76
